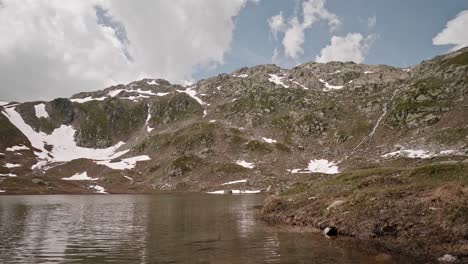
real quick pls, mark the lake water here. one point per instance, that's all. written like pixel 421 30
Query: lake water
pixel 182 228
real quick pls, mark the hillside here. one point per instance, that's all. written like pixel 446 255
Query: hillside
pixel 355 136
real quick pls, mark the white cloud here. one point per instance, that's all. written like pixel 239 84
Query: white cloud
pixel 57 48
pixel 352 47
pixel 314 10
pixel 293 40
pixel 277 24
pixel 371 22
pixel 454 33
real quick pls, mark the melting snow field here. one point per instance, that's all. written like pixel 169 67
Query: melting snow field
pixel 63 143
pixel 11 165
pixel 245 164
pixel 87 99
pixel 124 164
pixel 192 93
pixel 41 111
pixel 16 148
pixel 98 189
pixel 240 75
pixel 329 87
pixel 114 93
pixel 235 192
pixel 234 182
pixel 422 154
pixel 7 175
pixel 80 177
pixel 419 153
pixel 277 80
pixel 303 87
pixel 269 140
pixel 148 128
pixel 319 166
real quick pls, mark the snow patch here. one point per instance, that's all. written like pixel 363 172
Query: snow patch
pixel 277 80
pixel 152 82
pixel 115 92
pixel 245 164
pixel 12 165
pixel 409 153
pixel 80 177
pixel 98 189
pixel 7 175
pixel 329 87
pixel 128 178
pixel 219 88
pixel 368 72
pixel 87 99
pixel 303 87
pixel 148 128
pixel 41 111
pixel 63 143
pixel 2 191
pixel 16 148
pixel 319 166
pixel 192 93
pixel 234 182
pixel 447 152
pixel 124 164
pixel 269 140
pixel 240 75
pixel 2 103
pixel 235 192
pixel 213 121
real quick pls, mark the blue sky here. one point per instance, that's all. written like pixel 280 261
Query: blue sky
pixel 404 31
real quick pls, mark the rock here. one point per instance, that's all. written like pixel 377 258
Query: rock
pixel 227 191
pixel 335 204
pixel 330 231
pixel 422 98
pixel 38 181
pixel 447 258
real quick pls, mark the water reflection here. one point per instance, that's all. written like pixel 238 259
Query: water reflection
pixel 152 229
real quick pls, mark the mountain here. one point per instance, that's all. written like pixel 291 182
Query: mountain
pixel 327 138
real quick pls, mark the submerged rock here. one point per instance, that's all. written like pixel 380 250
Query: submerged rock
pixel 447 258
pixel 330 231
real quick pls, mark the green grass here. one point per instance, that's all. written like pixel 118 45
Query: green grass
pixel 108 119
pixel 439 172
pixel 461 59
pixel 258 147
pixel 186 163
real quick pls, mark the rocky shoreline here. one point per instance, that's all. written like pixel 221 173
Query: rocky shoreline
pixel 386 209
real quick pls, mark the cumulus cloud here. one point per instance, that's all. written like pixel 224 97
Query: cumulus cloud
pixel 352 47
pixel 293 40
pixel 276 24
pixel 454 33
pixel 57 48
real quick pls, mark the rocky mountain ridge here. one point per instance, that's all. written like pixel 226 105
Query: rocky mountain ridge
pixel 278 119
pixel 373 152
